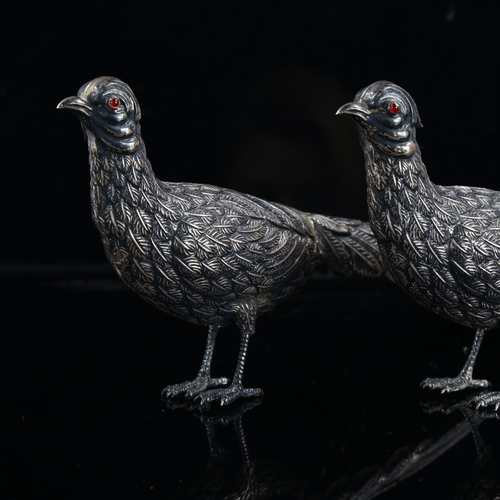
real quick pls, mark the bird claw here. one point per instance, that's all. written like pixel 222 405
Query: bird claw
pixel 451 402
pixel 204 390
pixel 210 382
pixel 194 387
pixel 454 384
pixel 487 401
pixel 227 395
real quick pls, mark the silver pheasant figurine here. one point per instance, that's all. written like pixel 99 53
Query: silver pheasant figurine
pixel 202 253
pixel 441 244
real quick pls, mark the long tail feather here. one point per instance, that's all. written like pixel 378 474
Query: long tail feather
pixel 348 246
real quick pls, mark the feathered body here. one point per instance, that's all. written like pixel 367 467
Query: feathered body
pixel 202 253
pixel 441 244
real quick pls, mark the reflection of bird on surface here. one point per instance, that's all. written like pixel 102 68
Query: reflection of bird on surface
pixel 440 244
pixel 482 481
pixel 202 253
pixel 231 473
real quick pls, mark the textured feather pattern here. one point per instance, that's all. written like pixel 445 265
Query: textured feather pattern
pixel 348 245
pixel 201 252
pixel 440 243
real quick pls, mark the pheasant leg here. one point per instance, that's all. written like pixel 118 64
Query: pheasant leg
pixel 464 380
pixel 203 380
pixel 226 395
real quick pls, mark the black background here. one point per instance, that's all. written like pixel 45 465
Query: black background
pixel 243 95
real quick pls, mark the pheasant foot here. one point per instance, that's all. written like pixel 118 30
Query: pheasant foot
pixel 454 384
pixel 193 387
pixel 488 400
pixel 227 395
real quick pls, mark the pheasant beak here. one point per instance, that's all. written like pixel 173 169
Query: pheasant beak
pixel 75 104
pixel 355 109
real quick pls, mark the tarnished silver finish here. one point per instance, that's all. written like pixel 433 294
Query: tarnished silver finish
pixel 441 244
pixel 202 253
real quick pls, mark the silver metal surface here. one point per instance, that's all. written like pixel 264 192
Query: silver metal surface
pixel 441 244
pixel 202 253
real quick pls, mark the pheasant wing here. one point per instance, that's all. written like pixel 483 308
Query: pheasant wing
pixel 475 254
pixel 225 252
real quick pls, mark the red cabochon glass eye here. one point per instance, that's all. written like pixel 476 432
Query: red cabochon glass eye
pixel 114 102
pixel 393 108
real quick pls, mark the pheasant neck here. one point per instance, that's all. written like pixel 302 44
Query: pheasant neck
pixel 396 187
pixel 120 179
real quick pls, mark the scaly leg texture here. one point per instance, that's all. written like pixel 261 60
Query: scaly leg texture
pixel 464 379
pixel 203 380
pixel 226 395
pixel 488 400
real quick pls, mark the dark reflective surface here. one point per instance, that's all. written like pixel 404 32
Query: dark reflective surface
pixel 342 417
pixel 242 95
